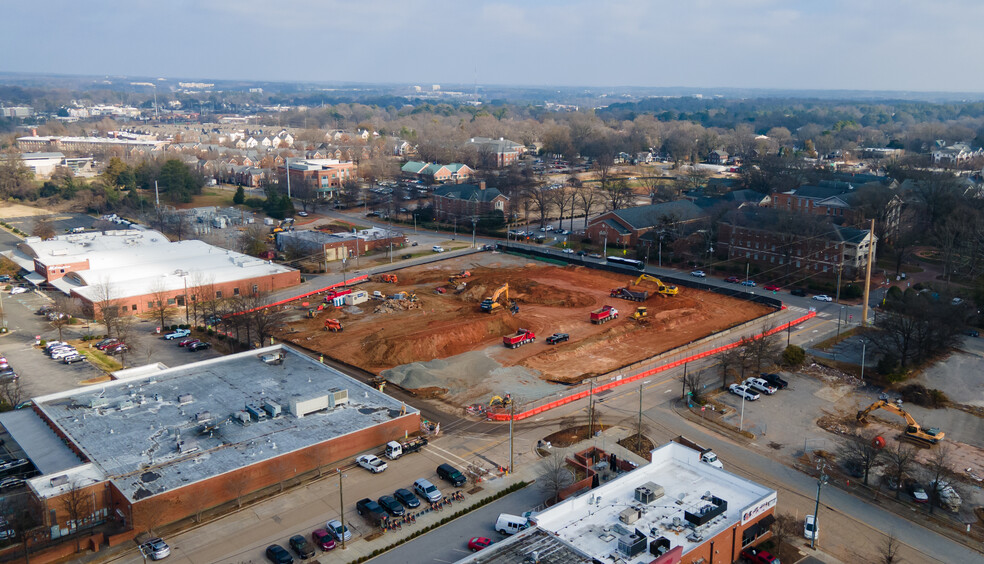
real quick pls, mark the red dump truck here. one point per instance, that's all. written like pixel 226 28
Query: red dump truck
pixel 604 315
pixel 521 337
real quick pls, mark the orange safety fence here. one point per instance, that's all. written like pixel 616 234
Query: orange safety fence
pixel 355 280
pixel 644 374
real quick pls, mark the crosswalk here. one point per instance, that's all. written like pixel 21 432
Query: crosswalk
pixel 804 310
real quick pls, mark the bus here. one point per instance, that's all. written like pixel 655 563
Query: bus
pixel 635 264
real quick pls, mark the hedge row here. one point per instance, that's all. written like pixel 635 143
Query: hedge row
pixel 485 501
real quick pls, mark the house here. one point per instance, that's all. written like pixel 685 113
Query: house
pixel 434 173
pixel 955 154
pixel 795 249
pixel 625 226
pixel 497 152
pixel 718 157
pixel 457 201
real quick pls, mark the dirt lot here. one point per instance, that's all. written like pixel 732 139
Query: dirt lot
pixel 551 299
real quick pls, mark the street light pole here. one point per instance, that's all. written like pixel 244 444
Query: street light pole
pixel 839 314
pixel 741 420
pixel 863 344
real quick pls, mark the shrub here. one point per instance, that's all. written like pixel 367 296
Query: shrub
pixel 923 396
pixel 793 356
pixel 888 365
pixel 852 291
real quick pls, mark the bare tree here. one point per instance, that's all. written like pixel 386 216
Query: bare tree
pixel 11 393
pixel 693 382
pixel 556 476
pixel 765 350
pixel 860 451
pixel 784 529
pixel 77 503
pixel 889 553
pixel 563 200
pixel 898 461
pixel 540 199
pixel 252 240
pixel 64 313
pixel 940 468
pixel 587 196
pixel 161 299
pixel 203 296
pixel 42 227
pixel 108 306
pixel 617 194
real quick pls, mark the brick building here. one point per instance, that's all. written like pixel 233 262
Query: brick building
pixel 435 173
pixel 468 200
pixel 625 226
pixel 795 248
pixel 496 152
pixel 161 444
pixel 326 176
pixel 336 246
pixel 134 268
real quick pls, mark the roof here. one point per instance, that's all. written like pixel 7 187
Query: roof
pixel 469 192
pixel 819 192
pixel 414 167
pixel 521 546
pixel 851 234
pixel 39 156
pixel 499 145
pixel 641 217
pixel 48 452
pixel 164 430
pixel 690 501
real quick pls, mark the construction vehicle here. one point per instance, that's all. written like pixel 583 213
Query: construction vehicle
pixel 313 312
pixel 631 294
pixel 462 274
pixel 661 288
pixel 388 278
pixel 499 401
pixel 333 325
pixel 396 449
pixel 460 287
pixel 913 431
pixel 404 296
pixel 640 312
pixel 491 304
pixel 604 315
pixel 333 294
pixel 513 307
pixel 522 337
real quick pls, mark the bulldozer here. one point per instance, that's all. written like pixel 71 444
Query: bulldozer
pixel 333 325
pixel 913 431
pixel 640 312
pixel 460 275
pixel 491 304
pixel 661 288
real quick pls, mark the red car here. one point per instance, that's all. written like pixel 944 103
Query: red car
pixel 478 543
pixel 732 279
pixel 323 540
pixel 187 342
pixel 772 287
pixel 756 556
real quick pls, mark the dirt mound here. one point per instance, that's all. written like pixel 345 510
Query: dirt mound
pixel 425 342
pixel 390 306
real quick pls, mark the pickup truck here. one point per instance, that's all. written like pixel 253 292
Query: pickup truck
pixel 522 337
pixel 604 315
pixel 372 463
pixel 371 510
pixel 706 455
pixel 177 334
pixel 396 449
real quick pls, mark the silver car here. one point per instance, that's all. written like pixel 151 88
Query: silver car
pixel 156 549
pixel 427 490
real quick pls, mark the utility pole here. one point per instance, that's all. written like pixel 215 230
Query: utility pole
pixel 639 423
pixel 789 329
pixel 512 414
pixel 840 267
pixel 821 480
pixel 591 407
pixel 341 507
pixel 157 195
pixel 867 276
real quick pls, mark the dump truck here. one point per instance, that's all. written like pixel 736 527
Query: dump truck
pixel 333 325
pixel 633 294
pixel 522 337
pixel 396 449
pixel 604 315
pixel 332 294
pixel 706 455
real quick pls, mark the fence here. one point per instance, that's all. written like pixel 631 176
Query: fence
pixel 582 391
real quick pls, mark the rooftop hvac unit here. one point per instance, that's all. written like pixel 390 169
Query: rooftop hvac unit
pixel 255 412
pixel 98 401
pixel 337 397
pixel 272 408
pixel 185 399
pixel 629 515
pixel 648 492
pixel 659 547
pixel 59 480
pixel 242 417
pixel 633 544
pixel 202 416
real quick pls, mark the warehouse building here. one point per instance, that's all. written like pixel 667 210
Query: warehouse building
pixel 674 510
pixel 336 246
pixel 161 444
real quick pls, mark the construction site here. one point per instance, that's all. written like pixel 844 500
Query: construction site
pixel 466 329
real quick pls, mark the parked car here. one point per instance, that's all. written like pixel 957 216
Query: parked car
pixel 337 530
pixel 743 391
pixel 117 348
pixel 698 274
pixel 758 556
pixel 302 214
pixel 188 341
pixel 594 256
pixel 748 283
pixel 60 354
pixel 772 287
pixel 798 292
pixel 391 506
pixel 810 529
pixel 557 338
pixel 199 346
pixel 177 334
pixel 568 251
pixel 732 279
pixel 775 381
pixel 478 543
pixel 301 546
pixel 407 498
pixel 18 290
pixel 101 345
pixel 948 497
pixel 918 494
pixel 437 249
pixel 370 510
pixel 52 345
pixel 371 462
pixel 823 298
pixel 73 358
pixel 4 278
pixel 323 540
pixel 451 474
pixel 10 483
pixel 760 385
pixel 427 490
pixel 972 333
pixel 278 555
pixel 156 549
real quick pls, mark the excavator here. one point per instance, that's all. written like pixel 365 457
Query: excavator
pixel 333 325
pixel 913 431
pixel 388 278
pixel 661 288
pixel 460 275
pixel 499 401
pixel 491 304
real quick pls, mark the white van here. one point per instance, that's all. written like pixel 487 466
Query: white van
pixel 437 249
pixel 511 524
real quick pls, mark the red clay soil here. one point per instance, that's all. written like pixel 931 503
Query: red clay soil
pixel 552 299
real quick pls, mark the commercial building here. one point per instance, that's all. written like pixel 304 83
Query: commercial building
pixel 134 268
pixel 674 510
pixel 160 444
pixel 326 176
pixel 88 144
pixel 463 201
pixel 336 246
pixel 434 173
pixel 625 226
pixel 42 164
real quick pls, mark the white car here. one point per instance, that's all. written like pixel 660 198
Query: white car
pixel 437 249
pixel 18 290
pixel 810 530
pixel 743 391
pixel 823 298
pixel 698 274
pixel 372 463
pixel 568 251
pixel 59 354
pixel 759 385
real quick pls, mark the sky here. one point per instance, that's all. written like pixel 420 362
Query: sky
pixel 905 45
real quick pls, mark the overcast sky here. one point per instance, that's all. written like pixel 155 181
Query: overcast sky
pixel 825 44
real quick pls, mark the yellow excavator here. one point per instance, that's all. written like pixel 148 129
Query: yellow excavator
pixel 913 431
pixel 491 304
pixel 663 289
pixel 499 401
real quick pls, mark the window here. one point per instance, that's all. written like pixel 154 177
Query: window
pixel 235 291
pixel 133 307
pixel 218 294
pixel 150 305
pixel 256 289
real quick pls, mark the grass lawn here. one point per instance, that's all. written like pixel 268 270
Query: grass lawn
pixel 208 198
pixel 96 357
